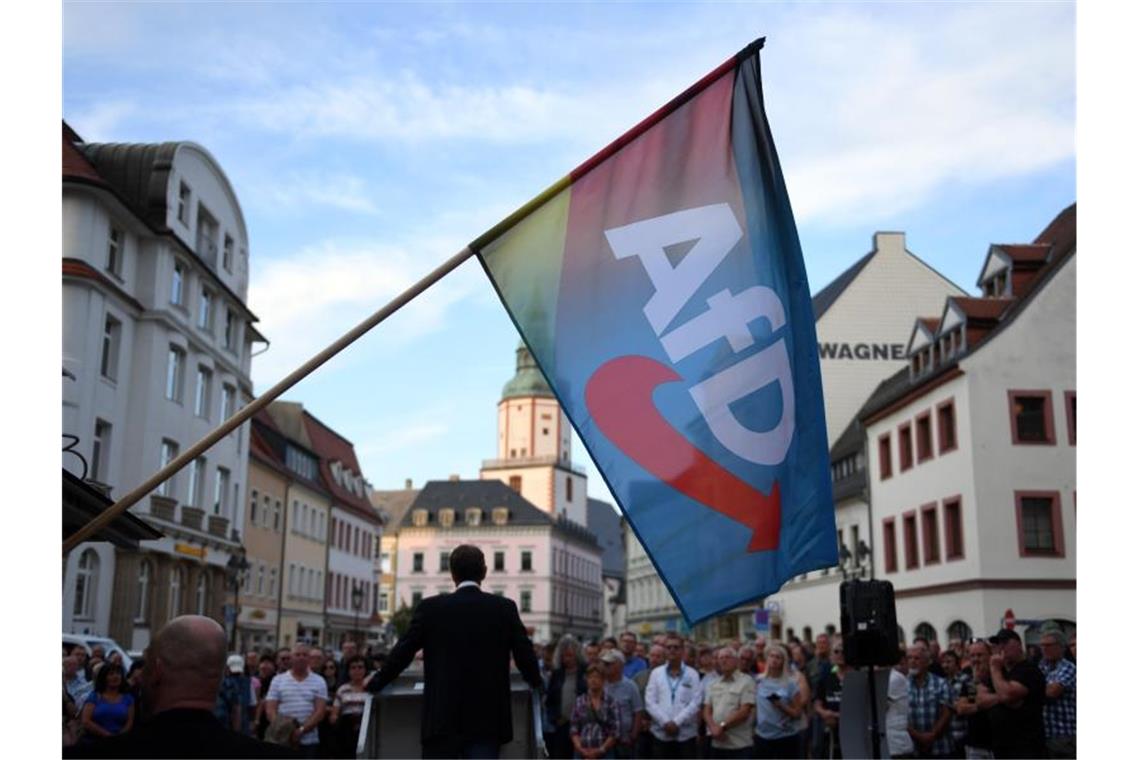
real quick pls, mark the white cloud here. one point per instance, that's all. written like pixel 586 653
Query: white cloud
pixel 399 437
pixel 284 194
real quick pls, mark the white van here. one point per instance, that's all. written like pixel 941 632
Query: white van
pixel 87 642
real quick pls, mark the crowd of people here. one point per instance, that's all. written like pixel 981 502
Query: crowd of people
pixel 669 697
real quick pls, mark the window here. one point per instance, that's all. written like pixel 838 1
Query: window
pixel 177 581
pixel 446 518
pixel 100 449
pixel 273 581
pixel 516 483
pixel 419 517
pixel 86 584
pixel 383 605
pixel 499 515
pixel 925 437
pixel 253 508
pixel 178 284
pixel 221 488
pixel 525 566
pixel 473 515
pixel 112 335
pixel 1039 529
pixel 524 601
pixel 260 579
pixel 947 427
pixel 444 562
pixel 228 253
pixel 500 561
pixel 228 394
pixel 385 562
pixel 884 456
pixel 930 540
pixel 183 203
pixel 925 631
pixel 231 330
pixel 952 523
pixel 142 609
pixel 569 489
pixel 1071 415
pixel 417 562
pixel 115 251
pixel 1031 417
pixel 205 309
pixel 167 454
pixel 906 450
pixel 959 630
pixel 202 393
pixel 265 513
pixel 175 358
pixel 910 540
pixel 200 595
pixel 197 475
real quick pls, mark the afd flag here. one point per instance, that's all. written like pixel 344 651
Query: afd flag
pixel 661 289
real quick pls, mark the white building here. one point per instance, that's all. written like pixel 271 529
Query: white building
pixel 972 451
pixel 550 566
pixel 863 321
pixel 158 338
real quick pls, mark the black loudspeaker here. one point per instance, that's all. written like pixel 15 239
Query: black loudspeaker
pixel 870 631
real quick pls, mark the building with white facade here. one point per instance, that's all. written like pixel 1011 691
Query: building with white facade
pixel 158 338
pixel 863 320
pixel 972 451
pixel 550 566
pixel 392 506
pixel 534 445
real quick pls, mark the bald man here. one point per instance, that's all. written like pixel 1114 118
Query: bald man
pixel 182 671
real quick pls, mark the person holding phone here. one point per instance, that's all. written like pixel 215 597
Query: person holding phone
pixel 779 705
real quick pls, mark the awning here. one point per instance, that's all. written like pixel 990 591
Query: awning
pixel 82 503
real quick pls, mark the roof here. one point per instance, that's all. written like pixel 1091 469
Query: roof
pixel 274 441
pixel 1061 236
pixel 394 504
pixel 605 523
pixel 931 324
pixel 1026 253
pixel 82 502
pixel 823 300
pixel 528 380
pixel 330 447
pixel 485 495
pixel 849 442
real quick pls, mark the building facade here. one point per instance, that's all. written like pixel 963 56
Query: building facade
pixel 550 566
pixel 392 505
pixel 972 451
pixel 157 337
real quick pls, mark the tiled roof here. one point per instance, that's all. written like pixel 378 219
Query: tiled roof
pixel 605 523
pixel 331 447
pixel 394 504
pixel 75 164
pixel 981 308
pixel 1026 253
pixel 931 324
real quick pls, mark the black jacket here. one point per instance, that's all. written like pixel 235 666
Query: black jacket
pixel 554 692
pixel 467 638
pixel 181 733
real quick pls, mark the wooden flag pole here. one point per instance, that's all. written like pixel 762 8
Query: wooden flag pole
pixel 106 516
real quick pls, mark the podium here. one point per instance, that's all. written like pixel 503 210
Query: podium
pixel 391 724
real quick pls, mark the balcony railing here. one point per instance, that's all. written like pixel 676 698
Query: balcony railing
pixel 498 464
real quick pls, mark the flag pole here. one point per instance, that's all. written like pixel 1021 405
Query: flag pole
pixel 106 516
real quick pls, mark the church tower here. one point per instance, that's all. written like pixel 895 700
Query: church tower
pixel 533 454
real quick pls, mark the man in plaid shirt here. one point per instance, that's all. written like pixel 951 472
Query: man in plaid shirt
pixel 930 707
pixel 1060 711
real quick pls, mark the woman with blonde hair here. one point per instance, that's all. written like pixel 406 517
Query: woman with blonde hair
pixel 779 706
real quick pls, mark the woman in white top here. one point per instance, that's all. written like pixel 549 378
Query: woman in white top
pixel 898 711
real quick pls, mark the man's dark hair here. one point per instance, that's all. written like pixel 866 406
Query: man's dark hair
pixel 610 640
pixel 467 564
pixel 105 672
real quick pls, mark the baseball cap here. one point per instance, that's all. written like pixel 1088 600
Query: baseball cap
pixel 1003 636
pixel 235 663
pixel 612 655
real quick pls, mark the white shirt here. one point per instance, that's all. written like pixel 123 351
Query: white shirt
pixel 898 708
pixel 298 699
pixel 669 698
pixel 465 584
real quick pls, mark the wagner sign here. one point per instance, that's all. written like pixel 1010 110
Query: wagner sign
pixel 863 351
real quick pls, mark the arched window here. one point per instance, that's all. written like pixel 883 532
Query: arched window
pixel 959 630
pixel 200 595
pixel 176 584
pixel 143 608
pixel 86 584
pixel 925 631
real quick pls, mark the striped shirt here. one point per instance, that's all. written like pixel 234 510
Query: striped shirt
pixel 298 699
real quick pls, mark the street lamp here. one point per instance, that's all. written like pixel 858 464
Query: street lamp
pixel 357 603
pixel 236 568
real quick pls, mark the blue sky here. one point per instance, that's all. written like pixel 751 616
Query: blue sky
pixel 369 142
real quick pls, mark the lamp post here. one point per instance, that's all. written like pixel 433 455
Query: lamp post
pixel 236 568
pixel 357 603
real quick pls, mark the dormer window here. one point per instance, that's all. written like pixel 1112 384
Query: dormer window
pixel 997 286
pixel 499 515
pixel 474 515
pixel 419 518
pixel 446 518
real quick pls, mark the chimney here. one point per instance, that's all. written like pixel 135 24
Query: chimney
pixel 893 243
pixel 408 484
pixel 453 478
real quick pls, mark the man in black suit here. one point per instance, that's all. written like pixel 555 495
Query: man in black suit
pixel 182 671
pixel 468 638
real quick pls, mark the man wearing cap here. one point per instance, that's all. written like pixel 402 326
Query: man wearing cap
pixel 232 707
pixel 1017 700
pixel 627 697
